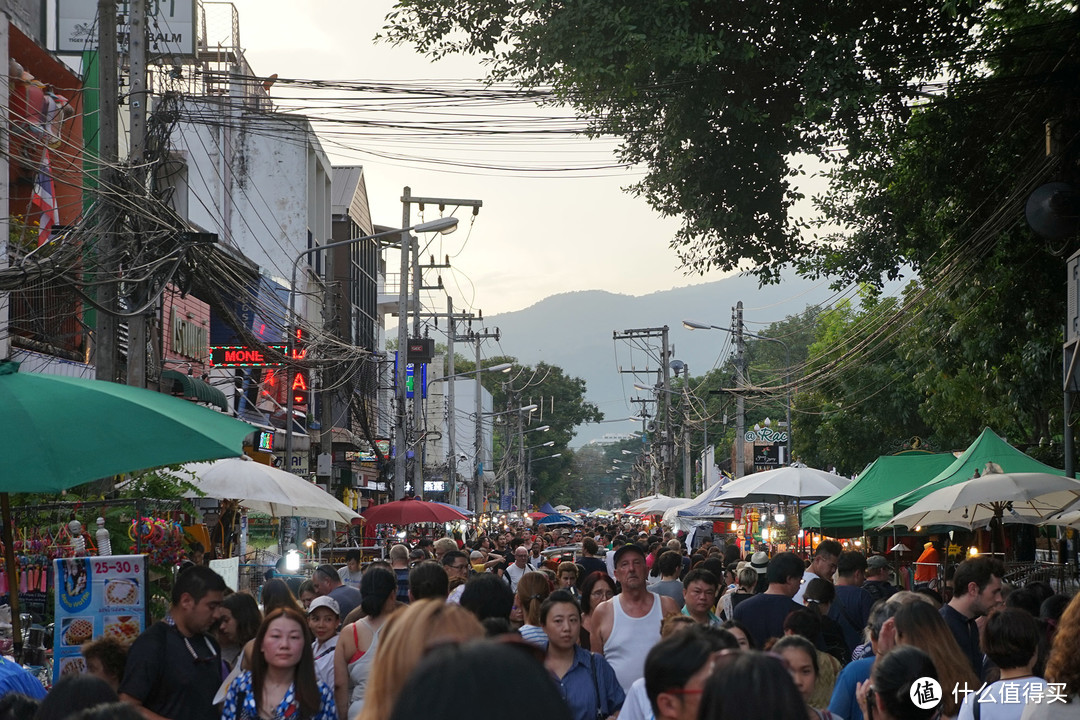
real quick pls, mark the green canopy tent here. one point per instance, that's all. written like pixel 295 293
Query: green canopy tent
pixel 842 514
pixel 987 448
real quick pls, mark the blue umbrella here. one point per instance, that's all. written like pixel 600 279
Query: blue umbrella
pixel 463 511
pixel 557 520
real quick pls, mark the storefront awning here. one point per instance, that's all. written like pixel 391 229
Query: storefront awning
pixel 187 386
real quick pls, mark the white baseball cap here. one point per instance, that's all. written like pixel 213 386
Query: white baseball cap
pixel 324 601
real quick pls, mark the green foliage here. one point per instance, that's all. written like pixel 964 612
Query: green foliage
pixel 714 99
pixel 561 405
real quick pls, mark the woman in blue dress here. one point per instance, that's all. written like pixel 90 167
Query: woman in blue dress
pixel 281 684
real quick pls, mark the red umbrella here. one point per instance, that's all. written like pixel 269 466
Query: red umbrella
pixel 537 515
pixel 409 511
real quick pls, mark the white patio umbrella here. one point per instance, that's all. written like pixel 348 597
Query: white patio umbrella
pixel 562 509
pixel 654 504
pixel 265 489
pixel 1011 497
pixel 783 484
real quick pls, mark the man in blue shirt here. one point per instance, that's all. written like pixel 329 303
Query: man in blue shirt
pixel 851 608
pixel 882 629
pixel 976 592
pixel 764 614
pixel 15 678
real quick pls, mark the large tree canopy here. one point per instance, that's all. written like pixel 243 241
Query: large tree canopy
pixel 714 98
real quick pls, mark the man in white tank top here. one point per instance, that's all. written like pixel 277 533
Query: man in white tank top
pixel 627 626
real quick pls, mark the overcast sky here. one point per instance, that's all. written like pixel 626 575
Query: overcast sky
pixel 535 236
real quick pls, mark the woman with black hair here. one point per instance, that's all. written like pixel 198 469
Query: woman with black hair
pixel 750 685
pixel 586 680
pixel 357 641
pixel 281 682
pixel 887 694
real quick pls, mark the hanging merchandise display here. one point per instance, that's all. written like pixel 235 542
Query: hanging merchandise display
pixel 162 540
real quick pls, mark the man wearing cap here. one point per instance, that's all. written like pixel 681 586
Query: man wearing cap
pixel 324 616
pixel 627 626
pixel 877 578
pixel 823 565
pixel 764 614
pixel 327 583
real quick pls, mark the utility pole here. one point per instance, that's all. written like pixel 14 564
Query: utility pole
pixel 419 386
pixel 401 440
pixel 451 421
pixel 667 443
pixel 105 350
pixel 401 406
pixel 137 325
pixel 740 384
pixel 478 460
pixel 686 467
pixel 451 424
pixel 669 437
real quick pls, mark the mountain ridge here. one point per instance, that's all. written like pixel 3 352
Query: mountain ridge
pixel 574 330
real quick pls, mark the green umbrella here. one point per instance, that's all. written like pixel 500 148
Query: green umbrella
pixel 60 432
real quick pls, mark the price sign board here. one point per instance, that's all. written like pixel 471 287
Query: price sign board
pixel 95 597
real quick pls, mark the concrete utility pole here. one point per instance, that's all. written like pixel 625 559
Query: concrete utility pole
pixel 451 421
pixel 137 325
pixel 740 384
pixel 478 459
pixel 686 465
pixel 408 249
pixel 401 440
pixel 105 350
pixel 419 386
pixel 669 436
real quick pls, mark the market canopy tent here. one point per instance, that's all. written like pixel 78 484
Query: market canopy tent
pixel 842 514
pixel 987 448
pixel 702 507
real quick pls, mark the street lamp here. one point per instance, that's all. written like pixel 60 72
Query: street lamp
pixel 442 225
pixel 549 443
pixel 691 325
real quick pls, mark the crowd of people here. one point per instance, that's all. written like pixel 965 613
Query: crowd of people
pixel 592 623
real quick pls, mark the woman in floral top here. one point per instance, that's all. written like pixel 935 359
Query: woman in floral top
pixel 281 684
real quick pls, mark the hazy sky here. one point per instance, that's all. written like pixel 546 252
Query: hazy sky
pixel 535 236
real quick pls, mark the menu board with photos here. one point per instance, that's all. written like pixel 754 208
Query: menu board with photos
pixel 97 597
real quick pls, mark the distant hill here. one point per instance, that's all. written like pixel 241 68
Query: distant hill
pixel 574 331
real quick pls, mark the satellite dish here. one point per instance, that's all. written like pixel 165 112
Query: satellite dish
pixel 1053 211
